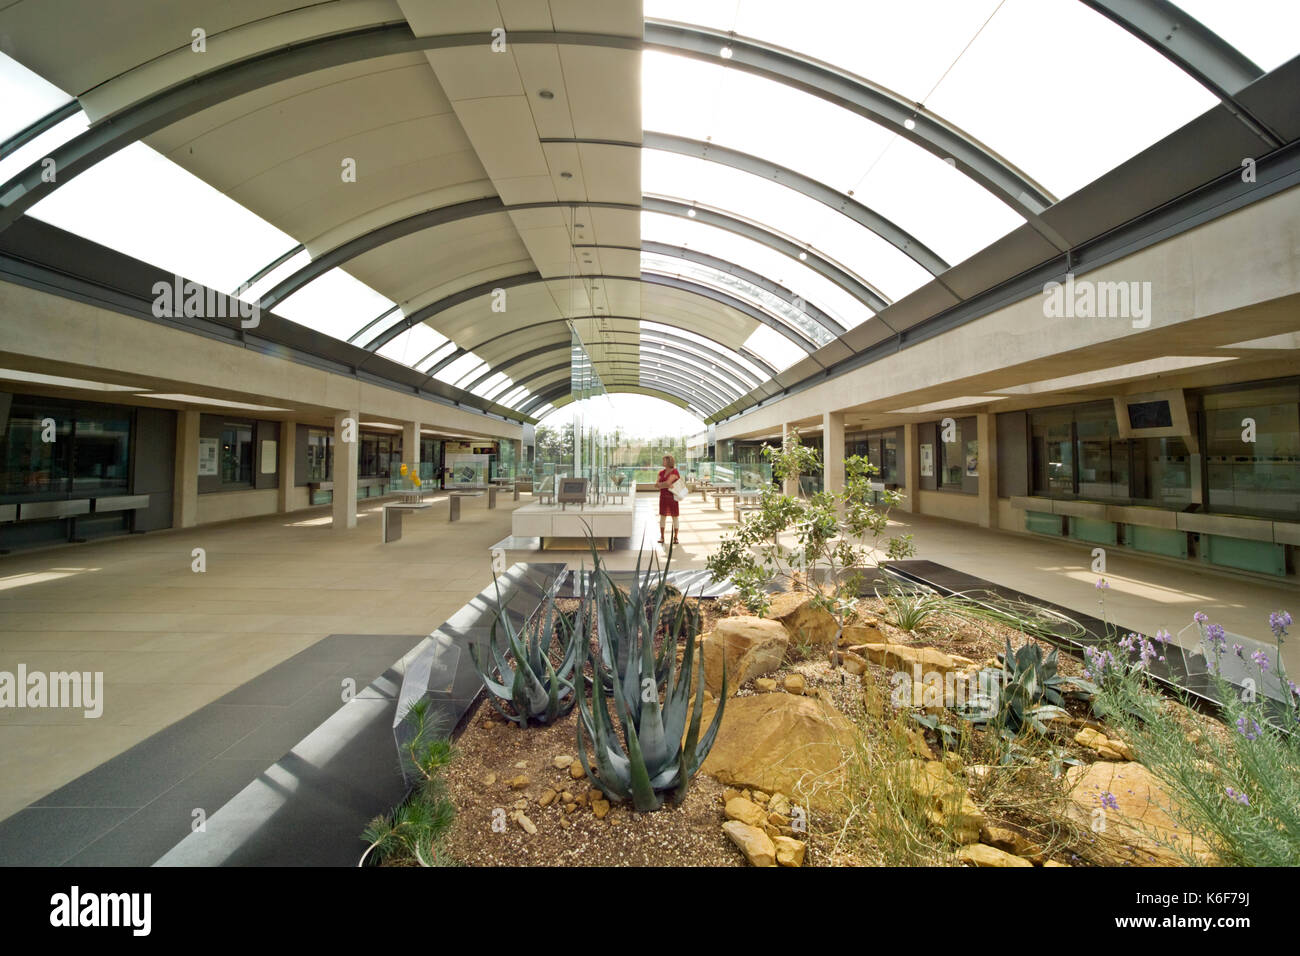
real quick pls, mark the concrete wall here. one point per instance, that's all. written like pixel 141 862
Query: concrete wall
pixel 228 505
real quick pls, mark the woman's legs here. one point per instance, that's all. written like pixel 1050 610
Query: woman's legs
pixel 674 530
pixel 661 528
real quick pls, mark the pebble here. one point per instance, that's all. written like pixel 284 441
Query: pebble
pixel 561 763
pixel 547 798
pixel 525 824
pixel 489 780
pixel 518 783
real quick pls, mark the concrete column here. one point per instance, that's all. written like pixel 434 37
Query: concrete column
pixel 833 451
pixel 288 464
pixel 986 432
pixel 347 454
pixel 911 470
pixel 790 485
pixel 411 446
pixel 185 484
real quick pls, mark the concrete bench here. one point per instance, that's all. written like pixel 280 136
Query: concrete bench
pixel 453 513
pixel 746 501
pixel 392 523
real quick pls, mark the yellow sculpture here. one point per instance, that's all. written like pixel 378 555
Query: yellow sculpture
pixel 404 471
pixel 416 479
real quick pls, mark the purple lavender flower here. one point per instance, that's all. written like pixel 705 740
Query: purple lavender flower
pixel 1163 636
pixel 1108 801
pixel 1101 584
pixel 1238 796
pixel 1251 732
pixel 1237 649
pixel 1216 638
pixel 1200 617
pixel 1278 623
pixel 1261 661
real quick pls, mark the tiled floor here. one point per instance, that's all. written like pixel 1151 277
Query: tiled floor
pixel 170 640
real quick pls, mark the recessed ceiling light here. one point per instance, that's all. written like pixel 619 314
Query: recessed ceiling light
pixel 725 52
pixel 546 94
pixel 909 123
pixel 691 213
pixel 803 256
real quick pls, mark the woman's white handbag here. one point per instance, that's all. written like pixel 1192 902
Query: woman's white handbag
pixel 679 489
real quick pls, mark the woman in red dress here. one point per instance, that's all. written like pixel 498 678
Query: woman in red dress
pixel 667 503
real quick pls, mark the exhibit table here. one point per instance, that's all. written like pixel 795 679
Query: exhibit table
pixel 609 521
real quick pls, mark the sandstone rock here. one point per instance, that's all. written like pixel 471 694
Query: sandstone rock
pixel 581 799
pixel 902 657
pixel 547 798
pixel 1142 831
pixel 570 808
pixel 526 824
pixel 948 805
pixel 489 780
pixel 518 783
pixel 912 738
pixel 575 770
pixel 521 804
pixel 806 623
pixel 566 797
pixel 1089 738
pixel 983 855
pixel 1009 841
pixel 862 634
pixel 771 831
pixel 600 808
pixel 759 797
pixel 731 793
pixel 773 741
pixel 764 685
pixel 952 762
pixel 751 647
pixel 873 702
pixel 794 684
pixel 751 841
pixel 746 811
pixel 1047 863
pixel 565 824
pixel 854 664
pixel 789 852
pixel 560 763
pixel 780 804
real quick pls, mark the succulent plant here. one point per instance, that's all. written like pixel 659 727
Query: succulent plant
pixel 536 689
pixel 1031 691
pixel 651 696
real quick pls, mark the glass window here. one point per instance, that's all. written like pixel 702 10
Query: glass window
pixel 33 464
pixel 1162 472
pixel 1103 458
pixel 952 460
pixel 1052 452
pixel 1252 459
pixel 1270 35
pixel 101 449
pixel 889 454
pixel 237 453
pixel 320 458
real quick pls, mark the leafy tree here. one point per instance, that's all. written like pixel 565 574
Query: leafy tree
pixel 838 535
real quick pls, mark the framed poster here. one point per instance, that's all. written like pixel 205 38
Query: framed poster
pixel 208 448
pixel 927 461
pixel 972 459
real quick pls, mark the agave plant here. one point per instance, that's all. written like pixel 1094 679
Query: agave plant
pixel 536 688
pixel 1031 691
pixel 651 695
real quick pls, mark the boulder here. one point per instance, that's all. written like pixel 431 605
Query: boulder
pixel 944 798
pixel 905 657
pixel 860 634
pixel 773 741
pixel 794 684
pixel 805 622
pixel 750 646
pixel 789 852
pixel 854 664
pixel 1142 830
pixel 1010 841
pixel 753 842
pixel 981 855
pixel 764 685
pixel 746 811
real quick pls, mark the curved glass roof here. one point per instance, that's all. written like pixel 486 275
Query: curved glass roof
pixel 1051 93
